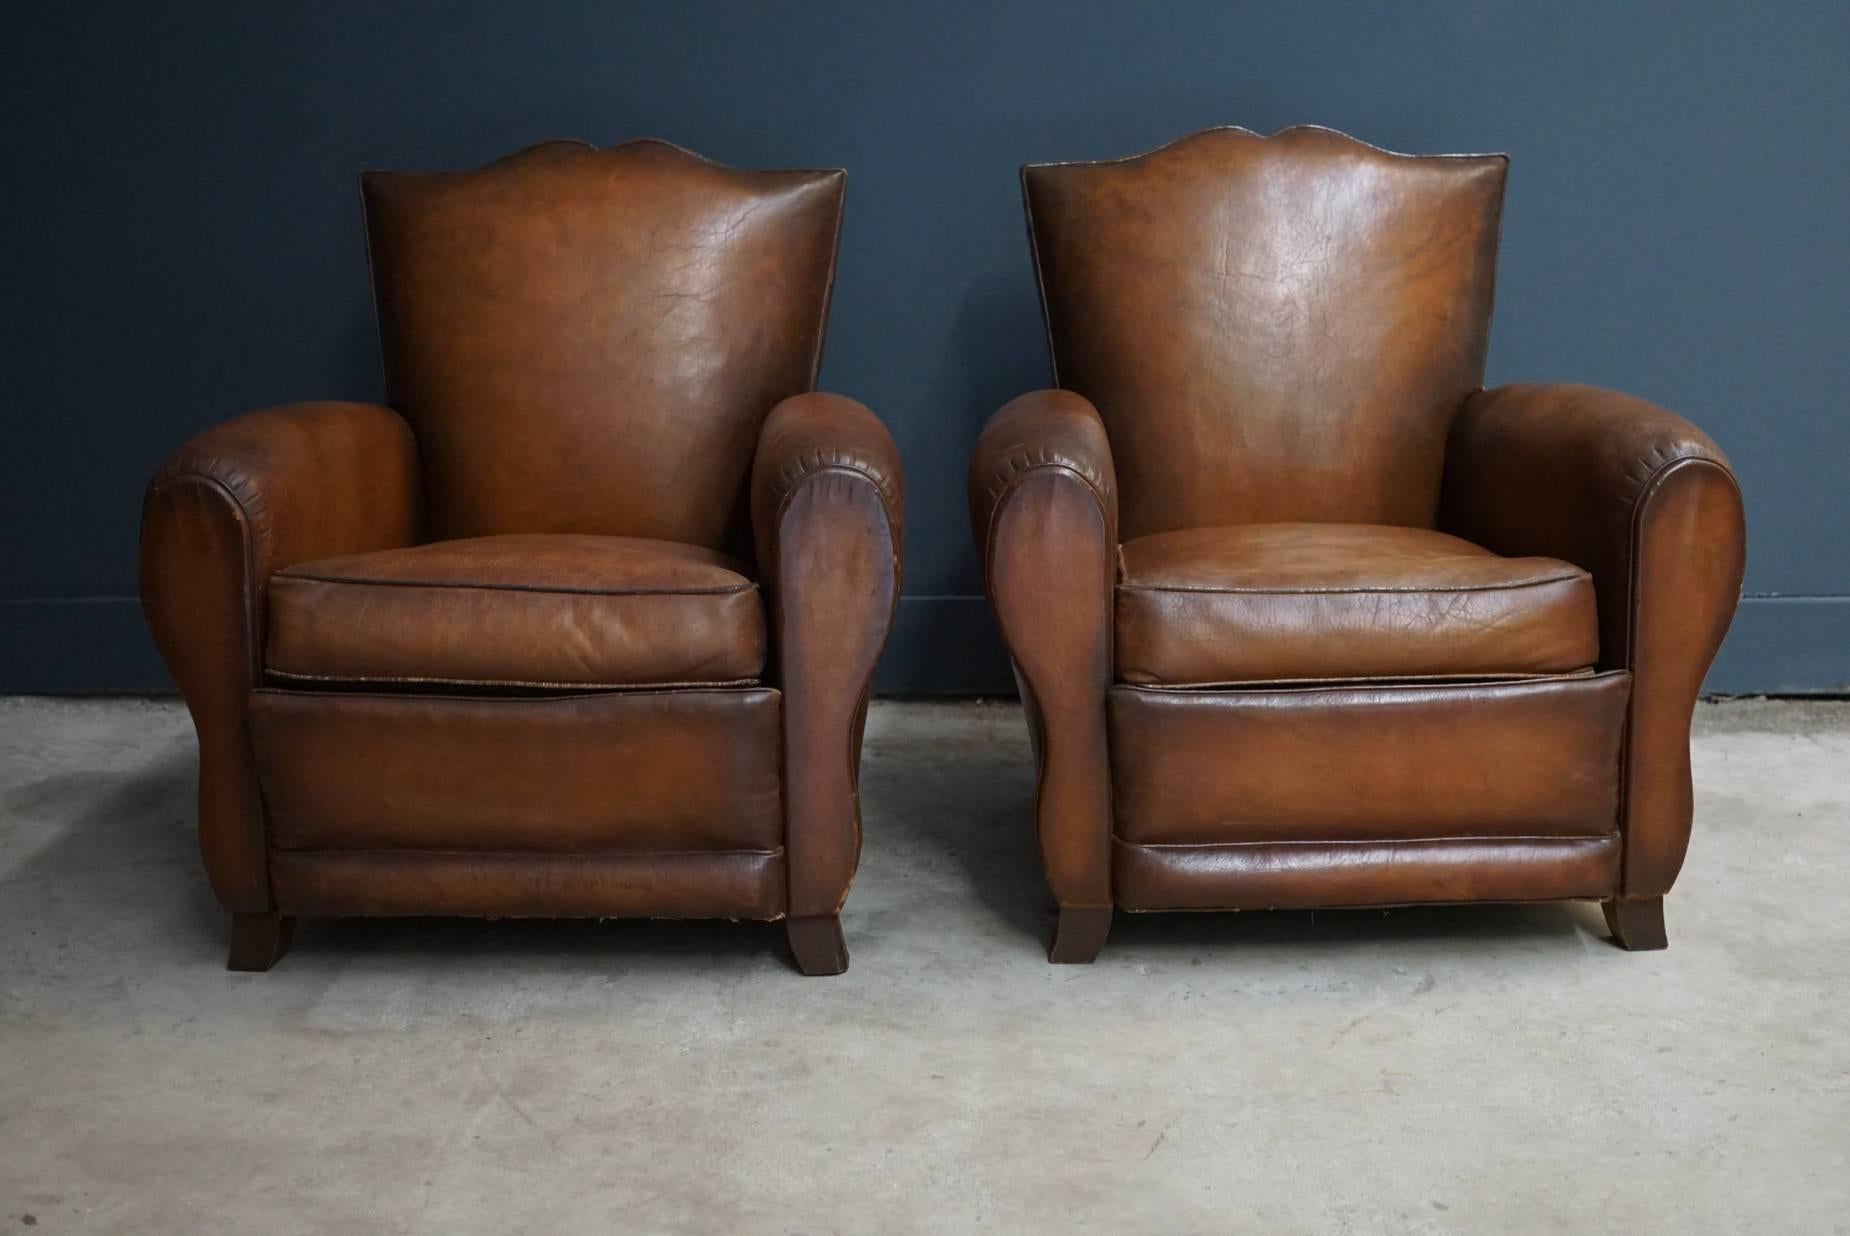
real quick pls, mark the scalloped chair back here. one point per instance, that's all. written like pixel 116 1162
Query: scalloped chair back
pixel 588 340
pixel 1272 329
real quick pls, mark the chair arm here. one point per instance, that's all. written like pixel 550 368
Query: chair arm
pixel 828 505
pixel 1647 504
pixel 1572 472
pixel 1044 513
pixel 238 502
pixel 1050 429
pixel 820 434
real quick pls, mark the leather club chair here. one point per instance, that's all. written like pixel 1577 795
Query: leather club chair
pixel 1301 615
pixel 583 623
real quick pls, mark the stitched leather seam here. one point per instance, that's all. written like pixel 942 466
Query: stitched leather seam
pixel 365 582
pixel 844 468
pixel 1437 590
pixel 1040 276
pixel 855 729
pixel 1576 839
pixel 1490 294
pixel 1342 685
pixel 828 286
pixel 1016 481
pixel 1488 679
pixel 247 538
pixel 248 597
pixel 1243 131
pixel 372 287
pixel 541 855
pixel 750 688
pixel 298 675
pixel 820 468
pixel 1640 505
pixel 1022 462
pixel 1030 696
pixel 1640 508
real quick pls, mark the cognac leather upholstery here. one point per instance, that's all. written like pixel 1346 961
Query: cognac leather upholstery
pixel 584 623
pixel 1300 614
pixel 564 308
pixel 1301 602
pixel 520 610
pixel 1273 331
pixel 1518 759
pixel 633 771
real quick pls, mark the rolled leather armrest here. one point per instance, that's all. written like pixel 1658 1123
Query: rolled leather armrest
pixel 1051 429
pixel 235 504
pixel 1646 503
pixel 819 434
pixel 1044 513
pixel 828 509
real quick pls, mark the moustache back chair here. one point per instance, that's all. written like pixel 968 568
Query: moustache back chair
pixel 1301 615
pixel 583 624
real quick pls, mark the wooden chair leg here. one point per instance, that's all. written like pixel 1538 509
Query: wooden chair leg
pixel 816 943
pixel 1078 935
pixel 1636 923
pixel 258 941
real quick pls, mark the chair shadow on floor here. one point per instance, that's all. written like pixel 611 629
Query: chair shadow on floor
pixel 124 866
pixel 1467 925
pixel 973 799
pixel 601 946
pixel 123 851
pixel 952 784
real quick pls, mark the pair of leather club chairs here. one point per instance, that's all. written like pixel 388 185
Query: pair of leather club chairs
pixel 584 623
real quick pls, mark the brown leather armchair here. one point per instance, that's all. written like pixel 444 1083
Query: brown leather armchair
pixel 583 624
pixel 1301 615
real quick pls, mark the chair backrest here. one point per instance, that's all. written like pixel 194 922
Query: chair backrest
pixel 588 340
pixel 1272 328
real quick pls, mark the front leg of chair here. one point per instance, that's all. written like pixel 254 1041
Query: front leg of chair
pixel 258 941
pixel 1636 923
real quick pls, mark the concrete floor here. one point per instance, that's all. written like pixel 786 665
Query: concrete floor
pixel 1469 1070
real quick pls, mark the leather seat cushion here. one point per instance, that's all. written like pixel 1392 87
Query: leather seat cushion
pixel 1312 602
pixel 553 610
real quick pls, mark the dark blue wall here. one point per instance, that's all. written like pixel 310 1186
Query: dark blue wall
pixel 183 234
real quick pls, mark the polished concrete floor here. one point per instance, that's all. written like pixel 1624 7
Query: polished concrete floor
pixel 1498 1069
